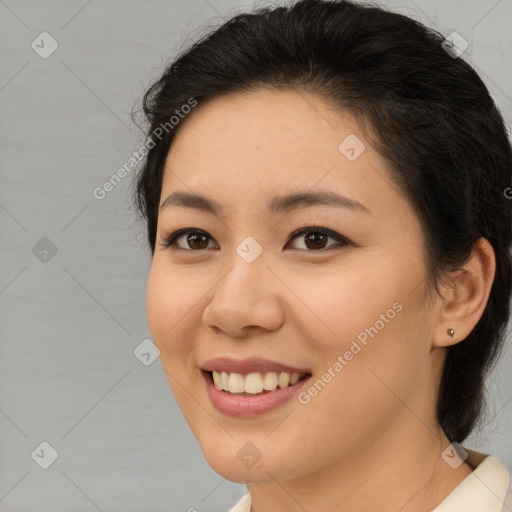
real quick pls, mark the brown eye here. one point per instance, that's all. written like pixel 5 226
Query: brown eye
pixel 315 239
pixel 195 240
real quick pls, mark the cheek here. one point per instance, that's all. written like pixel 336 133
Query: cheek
pixel 338 305
pixel 354 398
pixel 363 322
pixel 367 297
pixel 157 305
pixel 169 302
pixel 169 310
pixel 169 297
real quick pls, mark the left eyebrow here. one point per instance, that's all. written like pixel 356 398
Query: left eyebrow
pixel 302 200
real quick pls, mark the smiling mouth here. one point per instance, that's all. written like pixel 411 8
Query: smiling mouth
pixel 254 384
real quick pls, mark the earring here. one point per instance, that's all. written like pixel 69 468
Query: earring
pixel 450 332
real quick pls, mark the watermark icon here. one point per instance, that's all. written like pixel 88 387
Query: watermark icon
pixel 249 455
pixel 304 397
pixel 351 147
pixel 454 45
pixel 146 352
pixel 454 455
pixel 44 250
pixel 44 45
pixel 249 249
pixel 45 455
pixel 508 193
pixel 100 193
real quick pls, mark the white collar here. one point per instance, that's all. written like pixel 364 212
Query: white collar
pixel 484 490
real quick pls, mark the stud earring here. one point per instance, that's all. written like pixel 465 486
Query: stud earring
pixel 450 332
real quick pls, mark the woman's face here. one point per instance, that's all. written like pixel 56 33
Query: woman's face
pixel 348 314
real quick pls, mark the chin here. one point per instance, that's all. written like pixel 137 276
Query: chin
pixel 232 470
pixel 237 465
pixel 234 464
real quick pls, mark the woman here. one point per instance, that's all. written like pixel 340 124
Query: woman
pixel 327 200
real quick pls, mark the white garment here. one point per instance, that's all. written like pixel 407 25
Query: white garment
pixel 484 490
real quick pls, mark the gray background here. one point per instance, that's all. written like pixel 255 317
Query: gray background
pixel 70 324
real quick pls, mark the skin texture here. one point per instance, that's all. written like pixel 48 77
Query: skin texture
pixel 370 439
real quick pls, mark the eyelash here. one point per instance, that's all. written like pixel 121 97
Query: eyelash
pixel 170 240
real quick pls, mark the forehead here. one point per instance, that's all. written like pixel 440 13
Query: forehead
pixel 272 123
pixel 245 145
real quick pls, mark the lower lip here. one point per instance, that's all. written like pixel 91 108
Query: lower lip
pixel 244 406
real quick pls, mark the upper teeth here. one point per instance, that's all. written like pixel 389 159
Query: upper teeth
pixel 254 382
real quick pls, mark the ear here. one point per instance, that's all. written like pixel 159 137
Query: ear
pixel 466 297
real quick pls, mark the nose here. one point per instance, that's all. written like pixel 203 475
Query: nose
pixel 245 300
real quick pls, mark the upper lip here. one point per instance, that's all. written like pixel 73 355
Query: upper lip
pixel 251 365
